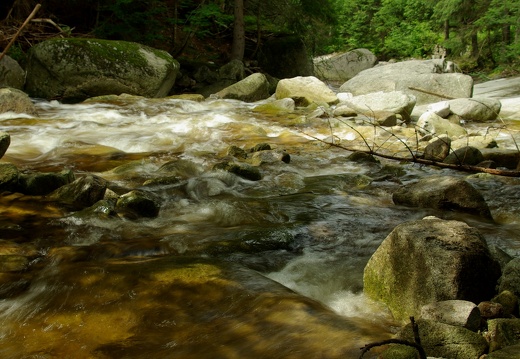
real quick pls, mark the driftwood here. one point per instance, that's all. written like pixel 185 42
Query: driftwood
pixel 415 344
pixel 33 13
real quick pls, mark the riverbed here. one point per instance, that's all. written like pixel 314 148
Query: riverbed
pixel 230 268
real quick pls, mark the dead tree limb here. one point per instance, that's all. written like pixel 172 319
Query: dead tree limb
pixel 33 13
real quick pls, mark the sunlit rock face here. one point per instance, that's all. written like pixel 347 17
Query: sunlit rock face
pixel 75 69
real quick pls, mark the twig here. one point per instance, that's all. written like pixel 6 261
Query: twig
pixel 33 13
pixel 432 93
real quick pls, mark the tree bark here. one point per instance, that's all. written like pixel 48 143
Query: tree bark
pixel 239 32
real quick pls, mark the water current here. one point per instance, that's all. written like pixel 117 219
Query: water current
pixel 230 268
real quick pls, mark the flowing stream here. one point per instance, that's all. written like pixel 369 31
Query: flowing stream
pixel 230 268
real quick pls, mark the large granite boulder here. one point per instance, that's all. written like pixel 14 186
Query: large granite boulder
pixel 16 101
pixel 305 90
pixel 75 69
pixel 253 88
pixel 343 66
pixel 11 73
pixel 396 102
pixel 422 78
pixel 444 193
pixel 430 260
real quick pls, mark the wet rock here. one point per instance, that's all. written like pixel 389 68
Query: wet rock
pixel 181 168
pixel 260 147
pixel 453 312
pixel 503 333
pixel 305 90
pixel 5 141
pixel 253 88
pixel 284 105
pixel 438 150
pixel 445 193
pixel 136 204
pixel 343 66
pixel 465 156
pixel 510 279
pixel 103 209
pixel 237 152
pixel 431 124
pixel 74 69
pixel 81 193
pixel 11 73
pixel 8 177
pixel 13 263
pixel 362 157
pixel 40 183
pixel 511 352
pixel 15 101
pixel 269 156
pixel 430 260
pixel 446 341
pixel 420 78
pixel 243 170
pixel 396 102
pixel 477 109
pixel 502 157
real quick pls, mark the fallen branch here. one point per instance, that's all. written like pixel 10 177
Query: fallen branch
pixel 33 13
pixel 466 168
pixel 432 93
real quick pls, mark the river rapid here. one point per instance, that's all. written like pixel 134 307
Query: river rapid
pixel 230 268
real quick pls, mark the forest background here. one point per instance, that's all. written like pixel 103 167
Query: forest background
pixel 482 36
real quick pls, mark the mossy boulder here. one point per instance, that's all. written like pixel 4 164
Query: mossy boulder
pixel 75 69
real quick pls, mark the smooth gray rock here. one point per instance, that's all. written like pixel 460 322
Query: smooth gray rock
pixel 432 124
pixel 396 102
pixel 343 66
pixel 305 90
pixel 253 88
pixel 476 109
pixel 16 101
pixel 453 312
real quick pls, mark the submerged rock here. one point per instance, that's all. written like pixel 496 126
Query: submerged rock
pixel 40 184
pixel 430 260
pixel 136 204
pixel 81 193
pixel 8 177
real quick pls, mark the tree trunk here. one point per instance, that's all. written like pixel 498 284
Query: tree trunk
pixel 474 45
pixel 239 32
pixel 446 29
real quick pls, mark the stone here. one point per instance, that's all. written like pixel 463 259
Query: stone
pixel 510 279
pixel 430 260
pixel 15 101
pixel 503 333
pixel 431 124
pixel 285 105
pixel 419 78
pixel 476 109
pixel 11 73
pixel 343 66
pixel 509 303
pixel 5 141
pixel 8 177
pixel 253 88
pixel 82 193
pixel 453 312
pixel 468 155
pixel 40 184
pixel 444 193
pixel 396 102
pixel 438 149
pixel 502 157
pixel 511 352
pixel 446 341
pixel 305 90
pixel 233 70
pixel 441 108
pixel 269 156
pixel 74 69
pixel 344 110
pixel 243 170
pixel 490 310
pixel 137 204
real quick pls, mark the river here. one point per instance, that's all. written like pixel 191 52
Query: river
pixel 230 268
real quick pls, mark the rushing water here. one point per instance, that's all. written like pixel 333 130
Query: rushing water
pixel 230 268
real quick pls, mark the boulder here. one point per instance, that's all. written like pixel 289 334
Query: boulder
pixel 465 156
pixel 343 66
pixel 74 69
pixel 11 73
pixel 285 57
pixel 441 109
pixel 233 70
pixel 284 105
pixel 16 101
pixel 305 90
pixel 243 170
pixel 441 340
pixel 253 88
pixel 8 177
pixel 509 302
pixel 444 193
pixel 453 312
pixel 431 124
pixel 81 193
pixel 438 149
pixel 430 260
pixel 502 157
pixel 511 352
pixel 5 141
pixel 477 109
pixel 420 78
pixel 40 183
pixel 269 156
pixel 510 279
pixel 396 102
pixel 503 333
